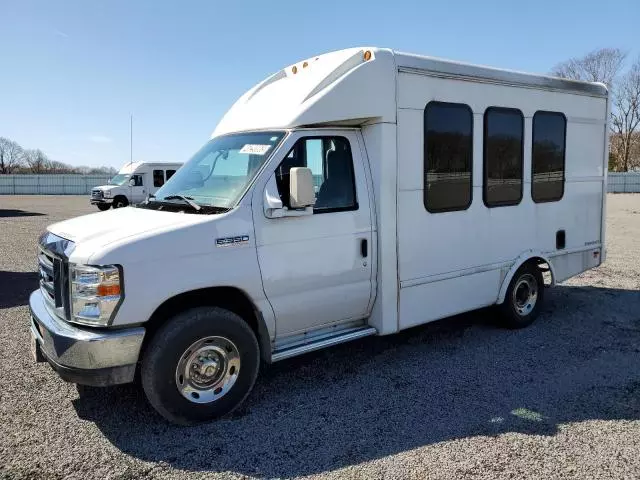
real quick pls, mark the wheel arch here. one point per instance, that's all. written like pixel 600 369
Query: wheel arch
pixel 531 256
pixel 231 298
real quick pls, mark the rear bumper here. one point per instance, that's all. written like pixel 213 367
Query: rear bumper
pixel 83 355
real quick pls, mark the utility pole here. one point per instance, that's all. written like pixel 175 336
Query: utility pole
pixel 130 139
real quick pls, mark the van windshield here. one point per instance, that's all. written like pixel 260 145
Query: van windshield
pixel 119 179
pixel 218 174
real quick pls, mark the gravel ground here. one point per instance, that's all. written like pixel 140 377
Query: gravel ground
pixel 453 399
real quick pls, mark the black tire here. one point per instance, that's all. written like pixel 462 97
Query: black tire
pixel 120 202
pixel 103 206
pixel 519 310
pixel 170 345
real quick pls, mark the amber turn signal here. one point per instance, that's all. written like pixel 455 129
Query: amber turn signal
pixel 108 290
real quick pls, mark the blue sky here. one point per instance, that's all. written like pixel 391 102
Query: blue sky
pixel 73 71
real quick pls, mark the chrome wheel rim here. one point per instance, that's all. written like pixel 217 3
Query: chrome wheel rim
pixel 208 369
pixel 525 294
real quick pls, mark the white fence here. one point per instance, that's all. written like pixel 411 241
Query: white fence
pixel 82 184
pixel 50 184
pixel 628 182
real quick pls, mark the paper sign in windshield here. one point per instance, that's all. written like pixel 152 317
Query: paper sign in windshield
pixel 254 149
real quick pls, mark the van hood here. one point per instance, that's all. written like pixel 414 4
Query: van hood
pixel 106 187
pixel 103 228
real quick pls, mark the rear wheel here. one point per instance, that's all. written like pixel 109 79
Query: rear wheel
pixel 524 297
pixel 201 365
pixel 120 202
pixel 103 206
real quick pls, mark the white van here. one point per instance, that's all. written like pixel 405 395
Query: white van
pixel 356 193
pixel 132 184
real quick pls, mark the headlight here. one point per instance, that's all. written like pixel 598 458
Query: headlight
pixel 106 193
pixel 96 293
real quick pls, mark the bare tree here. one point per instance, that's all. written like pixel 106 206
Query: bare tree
pixel 625 117
pixel 601 65
pixel 10 155
pixel 36 161
pixel 60 167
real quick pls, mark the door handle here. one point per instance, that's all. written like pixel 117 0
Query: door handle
pixel 364 248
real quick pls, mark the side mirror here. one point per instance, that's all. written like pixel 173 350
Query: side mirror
pixel 299 187
pixel 132 182
pixel 301 192
pixel 273 207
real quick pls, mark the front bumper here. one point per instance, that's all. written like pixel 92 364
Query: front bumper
pixel 106 201
pixel 84 355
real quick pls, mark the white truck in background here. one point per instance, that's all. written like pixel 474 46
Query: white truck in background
pixel 132 184
pixel 356 193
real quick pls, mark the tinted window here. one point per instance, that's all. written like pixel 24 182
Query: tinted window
pixel 331 164
pixel 170 173
pixel 448 156
pixel 158 178
pixel 548 156
pixel 503 154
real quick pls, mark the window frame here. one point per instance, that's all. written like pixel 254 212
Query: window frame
pixel 425 157
pixel 564 154
pixel 316 211
pixel 484 157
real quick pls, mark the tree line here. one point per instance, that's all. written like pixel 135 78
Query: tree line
pixel 607 65
pixel 15 159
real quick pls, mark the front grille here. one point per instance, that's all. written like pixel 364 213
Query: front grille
pixel 97 194
pixel 54 274
pixel 47 277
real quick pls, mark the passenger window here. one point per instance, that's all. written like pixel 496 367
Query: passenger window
pixel 170 173
pixel 158 178
pixel 548 156
pixel 331 164
pixel 448 156
pixel 137 180
pixel 503 156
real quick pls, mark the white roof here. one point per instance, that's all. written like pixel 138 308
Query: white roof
pixel 132 167
pixel 342 87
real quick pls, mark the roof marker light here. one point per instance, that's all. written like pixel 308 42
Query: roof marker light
pixel 305 65
pixel 367 55
pixel 294 69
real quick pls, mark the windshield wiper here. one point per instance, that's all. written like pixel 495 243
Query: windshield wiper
pixel 188 200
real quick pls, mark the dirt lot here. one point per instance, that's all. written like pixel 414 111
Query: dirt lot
pixel 455 399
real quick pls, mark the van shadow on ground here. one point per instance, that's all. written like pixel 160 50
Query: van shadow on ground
pixel 15 288
pixel 379 396
pixel 10 213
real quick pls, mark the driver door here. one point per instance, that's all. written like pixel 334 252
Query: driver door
pixel 317 269
pixel 138 191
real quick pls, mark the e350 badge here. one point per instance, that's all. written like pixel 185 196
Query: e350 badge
pixel 232 241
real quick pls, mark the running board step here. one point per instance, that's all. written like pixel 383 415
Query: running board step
pixel 351 334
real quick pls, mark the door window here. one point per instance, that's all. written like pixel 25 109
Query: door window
pixel 137 180
pixel 170 173
pixel 331 164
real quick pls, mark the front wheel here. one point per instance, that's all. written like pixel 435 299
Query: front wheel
pixel 103 206
pixel 524 297
pixel 120 202
pixel 201 365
